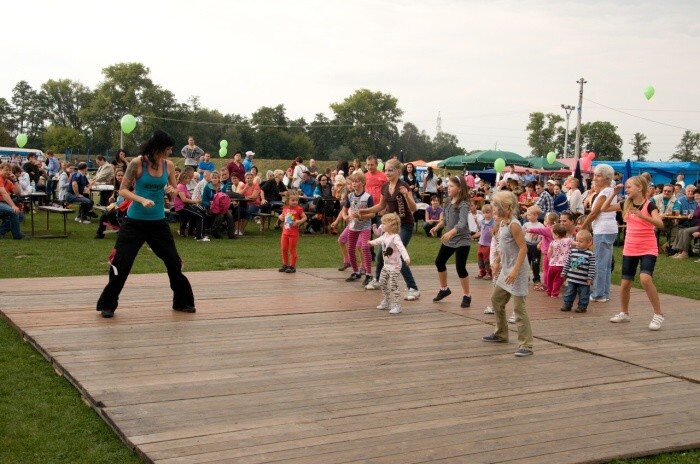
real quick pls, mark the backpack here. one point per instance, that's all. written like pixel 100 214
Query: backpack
pixel 220 203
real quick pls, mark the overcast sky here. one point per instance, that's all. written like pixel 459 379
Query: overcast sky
pixel 484 65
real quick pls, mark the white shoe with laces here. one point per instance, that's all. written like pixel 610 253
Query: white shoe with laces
pixel 488 310
pixel 621 317
pixel 656 322
pixel 384 304
pixel 395 310
pixel 512 319
pixel 412 294
pixel 373 285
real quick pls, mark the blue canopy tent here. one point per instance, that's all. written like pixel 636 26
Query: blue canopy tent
pixel 662 172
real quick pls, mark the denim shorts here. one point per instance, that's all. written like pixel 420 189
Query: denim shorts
pixel 646 265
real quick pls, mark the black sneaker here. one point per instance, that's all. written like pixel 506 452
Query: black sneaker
pixel 493 338
pixel 580 310
pixel 100 236
pixel 466 301
pixel 107 313
pixel 442 294
pixel 522 352
pixel 565 308
pixel 283 268
pixel 368 279
pixel 291 270
pixel 186 309
pixel 353 277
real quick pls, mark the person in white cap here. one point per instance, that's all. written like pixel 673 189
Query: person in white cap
pixel 248 161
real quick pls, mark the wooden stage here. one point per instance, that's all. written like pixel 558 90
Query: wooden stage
pixel 300 368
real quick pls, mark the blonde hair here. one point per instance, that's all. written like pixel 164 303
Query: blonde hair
pixel 641 182
pixel 486 209
pixel 551 218
pixel 585 235
pixel 359 176
pixel 391 223
pixel 505 200
pixel 291 194
pixel 534 209
pixel 394 163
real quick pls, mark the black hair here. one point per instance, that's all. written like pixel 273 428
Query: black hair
pixel 158 142
pixel 430 173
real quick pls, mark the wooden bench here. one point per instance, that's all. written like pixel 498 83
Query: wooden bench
pixel 265 220
pixel 54 210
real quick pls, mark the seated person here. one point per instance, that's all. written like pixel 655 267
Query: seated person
pixel 218 205
pixel 307 187
pixel 79 192
pixel 324 200
pixel 271 193
pixel 434 214
pixel 112 216
pixel 251 193
pixel 684 241
pixel 8 208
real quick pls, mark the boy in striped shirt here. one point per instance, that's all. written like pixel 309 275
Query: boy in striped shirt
pixel 580 270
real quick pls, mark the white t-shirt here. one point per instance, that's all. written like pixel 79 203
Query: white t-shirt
pixel 605 223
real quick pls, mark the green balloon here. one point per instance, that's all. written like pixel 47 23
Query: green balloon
pixel 21 140
pixel 499 164
pixel 649 92
pixel 223 151
pixel 223 144
pixel 551 157
pixel 128 123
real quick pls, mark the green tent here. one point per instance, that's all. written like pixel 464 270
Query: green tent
pixel 485 159
pixel 453 162
pixel 542 163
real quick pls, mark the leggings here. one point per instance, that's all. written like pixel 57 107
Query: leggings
pixel 389 281
pixel 289 249
pixel 534 255
pixel 554 280
pixel 461 259
pixel 361 238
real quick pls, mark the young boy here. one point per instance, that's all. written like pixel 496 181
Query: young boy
pixel 433 216
pixel 580 270
pixel 484 237
pixel 534 254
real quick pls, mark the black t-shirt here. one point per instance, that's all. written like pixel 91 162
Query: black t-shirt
pixel 273 190
pixel 33 171
pixel 397 203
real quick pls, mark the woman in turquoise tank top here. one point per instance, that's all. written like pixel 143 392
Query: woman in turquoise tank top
pixel 153 176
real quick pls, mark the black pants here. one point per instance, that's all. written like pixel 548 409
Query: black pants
pixel 219 220
pixel 132 236
pixel 461 254
pixel 534 255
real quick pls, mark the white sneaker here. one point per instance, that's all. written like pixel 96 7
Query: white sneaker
pixel 600 300
pixel 488 310
pixel 512 319
pixel 412 295
pixel 373 285
pixel 77 219
pixel 240 233
pixel 395 310
pixel 656 322
pixel 85 221
pixel 622 317
pixel 203 239
pixel 384 304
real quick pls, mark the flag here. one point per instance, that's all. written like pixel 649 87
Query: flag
pixel 579 177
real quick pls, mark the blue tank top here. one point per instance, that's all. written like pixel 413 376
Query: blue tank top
pixel 152 188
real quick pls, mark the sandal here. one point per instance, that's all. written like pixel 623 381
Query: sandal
pixel 538 287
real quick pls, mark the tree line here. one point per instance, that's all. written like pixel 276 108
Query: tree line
pixel 65 114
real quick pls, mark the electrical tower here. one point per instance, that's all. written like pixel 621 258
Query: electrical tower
pixel 438 129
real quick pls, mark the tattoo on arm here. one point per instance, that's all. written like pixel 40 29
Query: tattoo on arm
pixel 129 175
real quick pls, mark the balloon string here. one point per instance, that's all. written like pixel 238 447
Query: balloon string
pixel 640 117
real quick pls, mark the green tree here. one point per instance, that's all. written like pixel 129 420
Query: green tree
pixel 570 142
pixel 687 149
pixel 601 138
pixel 323 135
pixel 300 144
pixel 29 112
pixel 415 144
pixel 543 129
pixel 368 122
pixel 640 146
pixel 128 89
pixel 58 138
pixel 64 100
pixel 341 153
pixel 447 145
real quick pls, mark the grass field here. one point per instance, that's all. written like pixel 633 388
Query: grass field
pixel 43 420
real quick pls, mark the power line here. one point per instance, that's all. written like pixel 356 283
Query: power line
pixel 285 126
pixel 640 117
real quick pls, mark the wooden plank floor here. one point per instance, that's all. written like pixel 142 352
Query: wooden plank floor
pixel 302 369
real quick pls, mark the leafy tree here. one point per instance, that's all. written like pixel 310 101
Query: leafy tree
pixel 323 135
pixel 368 122
pixel 415 144
pixel 64 100
pixel 601 138
pixel 301 145
pixel 570 142
pixel 640 146
pixel 58 138
pixel 29 111
pixel 341 153
pixel 543 129
pixel 447 145
pixel 687 149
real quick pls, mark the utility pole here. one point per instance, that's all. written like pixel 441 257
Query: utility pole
pixel 577 148
pixel 568 109
pixel 438 129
